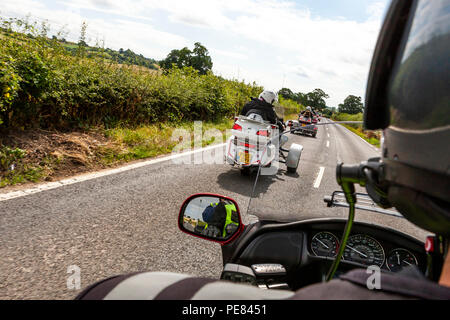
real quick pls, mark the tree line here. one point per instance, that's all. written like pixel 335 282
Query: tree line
pixel 316 99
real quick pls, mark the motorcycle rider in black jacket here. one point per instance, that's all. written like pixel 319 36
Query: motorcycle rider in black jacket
pixel 263 106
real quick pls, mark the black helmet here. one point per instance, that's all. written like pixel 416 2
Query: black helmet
pixel 408 96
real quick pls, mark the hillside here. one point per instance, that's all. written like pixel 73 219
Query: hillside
pixel 121 57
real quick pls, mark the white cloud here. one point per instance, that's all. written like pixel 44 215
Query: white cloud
pixel 376 10
pixel 120 32
pixel 228 54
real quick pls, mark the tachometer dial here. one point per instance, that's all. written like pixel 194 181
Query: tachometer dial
pixel 400 258
pixel 364 250
pixel 324 244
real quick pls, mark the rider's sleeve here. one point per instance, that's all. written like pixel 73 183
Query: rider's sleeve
pixel 172 286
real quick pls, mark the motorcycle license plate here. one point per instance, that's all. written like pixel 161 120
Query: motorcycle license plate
pixel 244 157
pixel 303 125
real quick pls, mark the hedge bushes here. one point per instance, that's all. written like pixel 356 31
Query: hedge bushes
pixel 290 107
pixel 43 85
pixel 348 117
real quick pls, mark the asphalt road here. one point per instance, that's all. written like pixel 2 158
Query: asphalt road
pixel 127 222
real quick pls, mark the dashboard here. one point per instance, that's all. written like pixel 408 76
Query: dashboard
pixel 307 249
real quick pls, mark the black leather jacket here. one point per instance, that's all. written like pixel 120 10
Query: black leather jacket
pixel 264 109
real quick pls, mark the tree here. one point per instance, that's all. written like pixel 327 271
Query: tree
pixel 302 98
pixel 82 45
pixel 82 40
pixel 352 105
pixel 327 112
pixel 316 99
pixel 287 94
pixel 198 58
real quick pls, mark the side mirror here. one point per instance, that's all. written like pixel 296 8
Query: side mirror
pixel 211 217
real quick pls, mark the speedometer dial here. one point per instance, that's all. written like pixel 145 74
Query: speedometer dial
pixel 364 250
pixel 400 258
pixel 324 244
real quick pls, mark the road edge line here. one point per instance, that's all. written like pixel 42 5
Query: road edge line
pixel 98 174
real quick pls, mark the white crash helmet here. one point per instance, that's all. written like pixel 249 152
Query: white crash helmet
pixel 308 108
pixel 268 96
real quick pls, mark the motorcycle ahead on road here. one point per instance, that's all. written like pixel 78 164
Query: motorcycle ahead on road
pixel 257 143
pixel 304 125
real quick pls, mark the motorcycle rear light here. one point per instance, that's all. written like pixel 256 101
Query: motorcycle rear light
pixel 429 244
pixel 264 133
pixel 237 127
pixel 315 128
pixel 247 145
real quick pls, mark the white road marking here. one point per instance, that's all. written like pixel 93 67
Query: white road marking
pixel 94 175
pixel 328 135
pixel 319 178
pixel 328 143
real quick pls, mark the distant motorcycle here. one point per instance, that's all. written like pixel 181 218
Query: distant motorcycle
pixel 304 125
pixel 255 142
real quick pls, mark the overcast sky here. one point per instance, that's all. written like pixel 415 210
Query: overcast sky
pixel 302 44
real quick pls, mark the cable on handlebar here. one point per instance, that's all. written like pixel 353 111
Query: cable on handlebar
pixel 345 235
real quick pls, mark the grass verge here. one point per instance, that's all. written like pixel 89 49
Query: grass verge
pixel 38 155
pixel 157 139
pixel 372 137
pixel 369 137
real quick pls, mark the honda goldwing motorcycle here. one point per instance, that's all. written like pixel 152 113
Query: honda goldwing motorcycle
pixel 271 252
pixel 255 143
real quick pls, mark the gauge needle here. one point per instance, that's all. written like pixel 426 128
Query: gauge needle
pixel 409 264
pixel 360 253
pixel 327 247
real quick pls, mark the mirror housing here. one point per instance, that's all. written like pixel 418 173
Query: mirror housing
pixel 211 217
pixel 376 111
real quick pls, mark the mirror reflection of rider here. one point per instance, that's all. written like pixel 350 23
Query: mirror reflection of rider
pixel 221 219
pixel 417 34
pixel 217 219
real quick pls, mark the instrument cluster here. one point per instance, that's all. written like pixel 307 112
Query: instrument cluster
pixel 362 249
